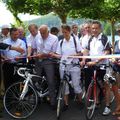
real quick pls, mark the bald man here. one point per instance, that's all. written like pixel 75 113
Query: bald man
pixel 47 45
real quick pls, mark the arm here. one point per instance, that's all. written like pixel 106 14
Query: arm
pixel 18 49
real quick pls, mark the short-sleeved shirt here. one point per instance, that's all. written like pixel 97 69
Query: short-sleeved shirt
pixel 47 45
pixel 11 54
pixel 96 46
pixel 31 40
pixel 68 48
pixel 84 41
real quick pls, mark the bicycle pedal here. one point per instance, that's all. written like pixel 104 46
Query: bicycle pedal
pixel 17 113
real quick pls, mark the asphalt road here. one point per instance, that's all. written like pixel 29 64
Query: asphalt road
pixel 75 112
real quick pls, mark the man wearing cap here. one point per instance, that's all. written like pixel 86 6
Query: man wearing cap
pixel 4 33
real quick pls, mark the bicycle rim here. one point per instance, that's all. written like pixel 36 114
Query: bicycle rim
pixel 20 108
pixel 60 102
pixel 112 97
pixel 90 103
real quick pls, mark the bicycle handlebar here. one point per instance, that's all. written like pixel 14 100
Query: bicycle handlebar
pixel 26 71
pixel 19 72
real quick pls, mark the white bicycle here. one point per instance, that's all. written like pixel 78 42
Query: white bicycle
pixel 21 98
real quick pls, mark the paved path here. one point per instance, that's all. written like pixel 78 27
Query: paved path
pixel 75 112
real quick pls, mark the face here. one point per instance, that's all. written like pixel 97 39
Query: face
pixel 5 31
pixel 75 28
pixel 96 29
pixel 66 33
pixel 33 30
pixel 14 35
pixel 21 33
pixel 87 28
pixel 44 33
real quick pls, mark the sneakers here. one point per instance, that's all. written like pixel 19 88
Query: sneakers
pixel 106 111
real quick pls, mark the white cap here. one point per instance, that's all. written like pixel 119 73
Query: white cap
pixel 5 26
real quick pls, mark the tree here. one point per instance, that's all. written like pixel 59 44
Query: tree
pixel 106 10
pixel 61 8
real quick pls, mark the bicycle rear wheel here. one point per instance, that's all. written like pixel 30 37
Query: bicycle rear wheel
pixel 60 102
pixel 112 97
pixel 90 102
pixel 20 108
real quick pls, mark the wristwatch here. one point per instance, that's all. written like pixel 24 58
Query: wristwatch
pixel 97 61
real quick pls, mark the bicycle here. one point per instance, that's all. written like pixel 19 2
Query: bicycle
pixel 21 98
pixel 65 80
pixel 91 95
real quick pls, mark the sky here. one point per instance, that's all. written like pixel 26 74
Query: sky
pixel 6 16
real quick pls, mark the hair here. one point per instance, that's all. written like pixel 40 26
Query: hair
pixel 97 22
pixel 74 25
pixel 32 25
pixel 66 27
pixel 13 30
pixel 54 29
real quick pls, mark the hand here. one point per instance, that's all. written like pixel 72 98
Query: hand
pixel 82 63
pixel 39 56
pixel 18 48
pixel 90 64
pixel 51 54
pixel 17 58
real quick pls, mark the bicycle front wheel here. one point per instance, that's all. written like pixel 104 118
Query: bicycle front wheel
pixel 90 102
pixel 60 102
pixel 17 107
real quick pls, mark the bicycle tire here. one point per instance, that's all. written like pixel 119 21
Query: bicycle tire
pixel 20 108
pixel 60 102
pixel 90 102
pixel 112 97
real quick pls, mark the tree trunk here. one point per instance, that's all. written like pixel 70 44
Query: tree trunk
pixel 63 19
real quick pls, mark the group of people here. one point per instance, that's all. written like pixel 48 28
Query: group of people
pixel 46 45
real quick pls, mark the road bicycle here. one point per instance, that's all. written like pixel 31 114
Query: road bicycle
pixel 65 80
pixel 91 95
pixel 21 98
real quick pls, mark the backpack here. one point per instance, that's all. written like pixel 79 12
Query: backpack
pixel 116 47
pixel 75 43
pixel 104 41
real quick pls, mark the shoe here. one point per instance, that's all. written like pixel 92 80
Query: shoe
pixel 106 111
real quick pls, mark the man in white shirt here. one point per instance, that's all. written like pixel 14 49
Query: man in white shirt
pixel 70 46
pixel 46 45
pixel 32 38
pixel 4 32
pixel 75 32
pixel 11 56
pixel 98 45
pixel 87 30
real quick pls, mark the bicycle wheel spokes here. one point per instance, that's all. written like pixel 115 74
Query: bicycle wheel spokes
pixel 60 102
pixel 90 103
pixel 16 107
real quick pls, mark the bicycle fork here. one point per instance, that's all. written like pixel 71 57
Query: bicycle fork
pixel 95 87
pixel 25 89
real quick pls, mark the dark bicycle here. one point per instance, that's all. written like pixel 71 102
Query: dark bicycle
pixel 66 80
